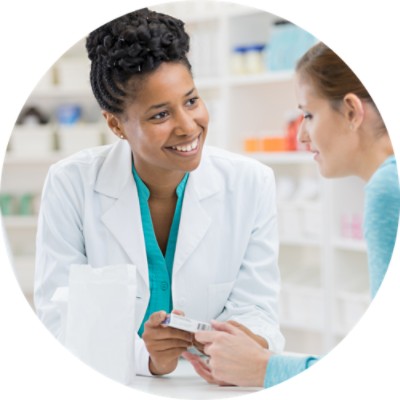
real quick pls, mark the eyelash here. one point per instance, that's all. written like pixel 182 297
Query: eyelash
pixel 193 100
pixel 163 114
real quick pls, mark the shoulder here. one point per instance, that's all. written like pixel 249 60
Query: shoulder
pixel 384 183
pixel 85 162
pixel 382 199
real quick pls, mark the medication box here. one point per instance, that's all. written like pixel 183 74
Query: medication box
pixel 186 324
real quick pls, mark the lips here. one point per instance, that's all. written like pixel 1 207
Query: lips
pixel 186 147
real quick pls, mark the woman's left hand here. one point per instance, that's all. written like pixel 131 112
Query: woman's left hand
pixel 235 357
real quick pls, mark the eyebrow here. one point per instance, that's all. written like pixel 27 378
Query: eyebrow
pixel 161 105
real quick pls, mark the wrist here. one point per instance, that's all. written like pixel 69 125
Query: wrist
pixel 156 369
pixel 261 365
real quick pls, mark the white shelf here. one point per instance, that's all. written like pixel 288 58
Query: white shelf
pixel 29 159
pixel 62 93
pixel 203 83
pixel 20 222
pixel 350 245
pixel 262 78
pixel 299 241
pixel 289 157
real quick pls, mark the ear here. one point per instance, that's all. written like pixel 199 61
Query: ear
pixel 114 124
pixel 353 110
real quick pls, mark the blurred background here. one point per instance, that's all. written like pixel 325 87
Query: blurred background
pixel 243 61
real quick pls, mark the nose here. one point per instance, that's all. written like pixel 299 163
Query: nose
pixel 185 123
pixel 302 134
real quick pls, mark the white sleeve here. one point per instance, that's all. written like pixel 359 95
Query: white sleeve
pixel 254 299
pixel 59 243
pixel 142 357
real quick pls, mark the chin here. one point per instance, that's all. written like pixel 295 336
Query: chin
pixel 326 172
pixel 193 165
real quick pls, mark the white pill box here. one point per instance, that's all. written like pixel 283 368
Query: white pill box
pixel 186 324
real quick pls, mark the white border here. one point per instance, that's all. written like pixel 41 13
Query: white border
pixel 34 34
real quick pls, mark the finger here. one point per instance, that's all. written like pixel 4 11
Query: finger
pixel 187 355
pixel 241 327
pixel 153 331
pixel 199 346
pixel 177 334
pixel 165 345
pixel 202 369
pixel 205 337
pixel 156 319
pixel 259 339
pixel 170 354
pixel 235 323
pixel 225 327
pixel 195 359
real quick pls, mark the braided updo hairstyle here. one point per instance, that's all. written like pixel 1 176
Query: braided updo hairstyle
pixel 127 49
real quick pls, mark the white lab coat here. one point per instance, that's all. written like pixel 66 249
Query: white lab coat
pixel 225 264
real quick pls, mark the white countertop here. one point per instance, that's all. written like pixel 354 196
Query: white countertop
pixel 184 383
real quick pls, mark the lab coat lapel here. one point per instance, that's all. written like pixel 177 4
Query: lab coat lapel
pixel 195 220
pixel 123 218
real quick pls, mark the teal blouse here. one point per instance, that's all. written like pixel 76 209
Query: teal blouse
pixel 159 267
pixel 381 218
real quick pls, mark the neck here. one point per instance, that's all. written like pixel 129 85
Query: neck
pixel 374 155
pixel 160 185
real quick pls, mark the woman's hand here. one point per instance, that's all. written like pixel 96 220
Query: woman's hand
pixel 202 368
pixel 260 340
pixel 235 357
pixel 164 344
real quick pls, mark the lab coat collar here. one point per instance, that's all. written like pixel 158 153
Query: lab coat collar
pixel 115 179
pixel 116 170
pixel 116 173
pixel 195 220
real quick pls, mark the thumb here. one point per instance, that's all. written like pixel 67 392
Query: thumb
pixel 178 312
pixel 156 318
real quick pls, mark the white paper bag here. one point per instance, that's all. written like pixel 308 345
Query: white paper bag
pixel 100 327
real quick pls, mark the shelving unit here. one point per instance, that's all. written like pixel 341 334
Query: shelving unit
pixel 323 268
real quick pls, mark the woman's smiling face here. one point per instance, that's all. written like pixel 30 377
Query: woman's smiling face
pixel 166 125
pixel 325 130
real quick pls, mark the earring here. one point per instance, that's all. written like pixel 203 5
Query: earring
pixel 351 126
pixel 122 136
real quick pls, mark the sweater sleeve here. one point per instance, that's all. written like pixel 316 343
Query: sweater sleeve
pixel 282 367
pixel 382 205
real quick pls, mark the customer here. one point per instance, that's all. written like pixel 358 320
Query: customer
pixel 347 136
pixel 200 224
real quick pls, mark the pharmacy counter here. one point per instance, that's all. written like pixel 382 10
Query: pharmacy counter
pixel 184 383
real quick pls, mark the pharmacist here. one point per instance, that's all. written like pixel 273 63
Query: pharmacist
pixel 200 224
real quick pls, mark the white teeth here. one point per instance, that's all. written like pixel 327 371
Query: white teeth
pixel 187 147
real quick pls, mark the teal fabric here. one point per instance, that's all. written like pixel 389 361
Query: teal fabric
pixel 282 367
pixel 381 218
pixel 159 267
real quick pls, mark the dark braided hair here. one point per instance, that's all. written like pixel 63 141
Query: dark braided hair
pixel 127 49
